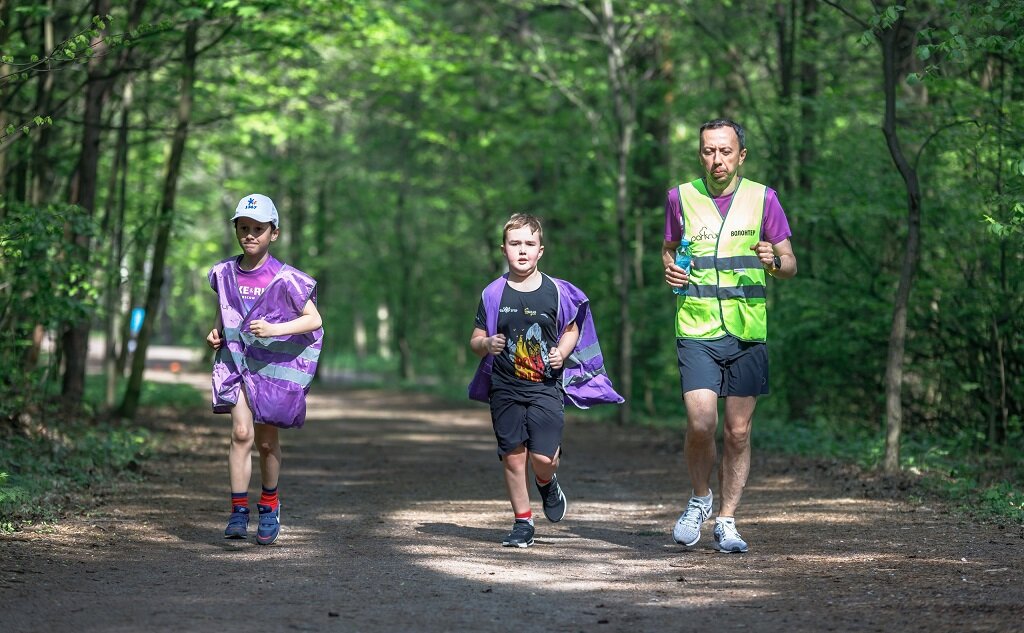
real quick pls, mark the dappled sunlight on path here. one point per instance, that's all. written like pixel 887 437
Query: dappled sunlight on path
pixel 393 510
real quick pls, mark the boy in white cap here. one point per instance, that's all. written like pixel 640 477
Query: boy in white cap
pixel 268 337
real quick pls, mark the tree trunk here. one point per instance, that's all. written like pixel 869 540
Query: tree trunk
pixel 898 332
pixel 164 221
pixel 5 70
pixel 40 180
pixel 785 32
pixel 403 310
pixel 115 229
pixel 75 337
pixel 624 104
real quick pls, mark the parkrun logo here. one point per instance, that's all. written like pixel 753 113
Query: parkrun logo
pixel 704 235
pixel 746 232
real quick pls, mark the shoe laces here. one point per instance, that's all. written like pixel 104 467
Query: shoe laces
pixel 728 531
pixel 696 513
pixel 521 528
pixel 551 494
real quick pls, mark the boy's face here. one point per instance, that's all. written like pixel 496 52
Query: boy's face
pixel 254 237
pixel 523 250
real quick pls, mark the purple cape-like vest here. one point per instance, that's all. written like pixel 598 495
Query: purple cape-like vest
pixel 275 371
pixel 584 378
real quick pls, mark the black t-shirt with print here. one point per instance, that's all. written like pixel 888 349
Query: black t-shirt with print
pixel 529 321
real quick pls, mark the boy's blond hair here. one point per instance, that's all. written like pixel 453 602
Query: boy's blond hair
pixel 518 221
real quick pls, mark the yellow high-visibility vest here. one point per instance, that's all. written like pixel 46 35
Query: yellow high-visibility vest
pixel 726 294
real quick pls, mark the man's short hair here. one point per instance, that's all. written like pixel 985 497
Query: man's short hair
pixel 518 221
pixel 714 124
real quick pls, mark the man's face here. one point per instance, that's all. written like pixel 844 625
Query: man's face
pixel 720 154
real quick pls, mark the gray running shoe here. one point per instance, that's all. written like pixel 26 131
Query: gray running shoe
pixel 520 536
pixel 727 538
pixel 554 500
pixel 687 529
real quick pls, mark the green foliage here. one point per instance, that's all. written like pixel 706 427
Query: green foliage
pixel 396 137
pixel 43 282
pixel 41 473
pixel 48 468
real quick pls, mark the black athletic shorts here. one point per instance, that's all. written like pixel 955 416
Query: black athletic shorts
pixel 727 366
pixel 535 419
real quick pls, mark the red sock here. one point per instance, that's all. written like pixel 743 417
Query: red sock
pixel 239 499
pixel 541 482
pixel 525 516
pixel 269 497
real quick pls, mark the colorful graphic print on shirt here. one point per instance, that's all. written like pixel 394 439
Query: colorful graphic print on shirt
pixel 529 322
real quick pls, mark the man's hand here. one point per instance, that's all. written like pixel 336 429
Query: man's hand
pixel 213 339
pixel 765 253
pixel 676 276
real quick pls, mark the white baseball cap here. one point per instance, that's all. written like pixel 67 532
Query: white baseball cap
pixel 258 207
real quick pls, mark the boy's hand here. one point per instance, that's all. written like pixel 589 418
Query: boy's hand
pixel 261 328
pixel 555 359
pixel 213 339
pixel 494 344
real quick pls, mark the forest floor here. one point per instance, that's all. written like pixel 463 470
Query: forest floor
pixel 393 513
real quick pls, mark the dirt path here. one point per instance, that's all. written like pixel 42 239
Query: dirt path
pixel 393 512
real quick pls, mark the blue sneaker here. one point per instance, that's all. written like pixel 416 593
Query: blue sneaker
pixel 238 523
pixel 270 524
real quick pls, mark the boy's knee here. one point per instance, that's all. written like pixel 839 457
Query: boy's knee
pixel 542 460
pixel 242 435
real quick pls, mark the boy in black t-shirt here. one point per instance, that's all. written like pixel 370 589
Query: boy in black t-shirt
pixel 526 396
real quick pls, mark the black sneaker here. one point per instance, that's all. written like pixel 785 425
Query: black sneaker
pixel 520 536
pixel 554 500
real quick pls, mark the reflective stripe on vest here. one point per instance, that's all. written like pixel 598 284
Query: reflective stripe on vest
pixel 267 368
pixel 726 294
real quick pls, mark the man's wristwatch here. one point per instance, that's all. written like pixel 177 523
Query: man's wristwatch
pixel 777 262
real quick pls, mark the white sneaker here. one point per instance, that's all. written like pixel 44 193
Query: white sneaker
pixel 687 529
pixel 727 538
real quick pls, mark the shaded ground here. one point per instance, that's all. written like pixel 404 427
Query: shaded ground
pixel 393 512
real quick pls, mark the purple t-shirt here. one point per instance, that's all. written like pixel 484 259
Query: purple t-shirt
pixel 252 283
pixel 774 225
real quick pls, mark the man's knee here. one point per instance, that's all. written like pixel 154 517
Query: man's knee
pixel 737 434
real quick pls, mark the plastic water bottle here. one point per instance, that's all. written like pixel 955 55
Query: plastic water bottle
pixel 683 261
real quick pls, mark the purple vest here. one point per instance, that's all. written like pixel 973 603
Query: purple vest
pixel 276 371
pixel 584 377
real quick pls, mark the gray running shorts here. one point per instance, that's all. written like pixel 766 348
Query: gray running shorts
pixel 727 366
